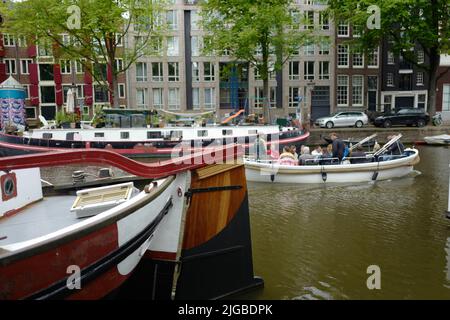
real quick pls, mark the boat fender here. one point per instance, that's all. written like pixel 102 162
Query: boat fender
pixel 324 176
pixel 375 174
pixel 272 177
pixel 447 214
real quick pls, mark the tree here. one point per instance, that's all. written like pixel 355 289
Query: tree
pixel 404 24
pixel 91 32
pixel 263 33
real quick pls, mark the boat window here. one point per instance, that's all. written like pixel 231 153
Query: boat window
pixel 227 132
pixel 125 135
pixel 99 134
pixel 176 134
pixel 154 135
pixel 47 135
pixel 202 133
pixel 70 135
pixel 252 131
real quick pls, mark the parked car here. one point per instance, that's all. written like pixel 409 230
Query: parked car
pixel 405 117
pixel 343 119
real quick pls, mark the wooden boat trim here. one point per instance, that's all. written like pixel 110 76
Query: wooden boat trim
pixel 210 171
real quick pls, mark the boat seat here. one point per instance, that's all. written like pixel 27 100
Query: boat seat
pixel 90 202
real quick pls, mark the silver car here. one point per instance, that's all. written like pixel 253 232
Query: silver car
pixel 343 119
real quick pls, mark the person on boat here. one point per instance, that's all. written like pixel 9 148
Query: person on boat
pixel 287 158
pixel 260 148
pixel 294 151
pixel 317 152
pixel 358 156
pixel 338 147
pixel 397 148
pixel 306 157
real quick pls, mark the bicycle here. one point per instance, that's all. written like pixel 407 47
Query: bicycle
pixel 437 120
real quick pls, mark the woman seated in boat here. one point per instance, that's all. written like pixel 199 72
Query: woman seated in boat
pixel 327 155
pixel 306 158
pixel 317 152
pixel 287 158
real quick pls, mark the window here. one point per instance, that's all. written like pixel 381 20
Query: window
pixel 195 72
pixel 141 98
pixel 373 59
pixel 174 73
pixel 202 133
pixel 422 101
pixel 227 132
pixel 45 49
pixel 22 41
pixel 294 94
pixel 273 97
pixel 446 98
pixel 121 90
pixel 324 70
pixel 66 66
pixel 79 67
pixel 358 90
pixel 196 46
pixel 10 66
pixel 25 66
pixel 48 94
pixel 309 17
pixel 141 71
pixel 358 60
pixel 196 98
pixel 172 46
pixel 46 72
pixel 174 98
pixel 420 57
pixel 80 91
pixel 294 70
pixel 390 79
pixel 420 78
pixel 210 98
pixel 31 112
pixel 343 29
pixel 158 98
pixel 195 18
pixel 342 90
pixel 390 57
pixel 27 91
pixel 119 65
pixel 309 49
pixel 259 97
pixel 309 70
pixel 101 94
pixel 324 47
pixel 154 135
pixel 9 40
pixel 172 21
pixel 125 135
pixel 324 20
pixel 387 102
pixel 157 71
pixel 119 40
pixel 100 71
pixel 209 71
pixel 99 134
pixel 357 30
pixel 342 56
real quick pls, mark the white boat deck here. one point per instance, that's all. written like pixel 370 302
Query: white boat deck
pixel 38 219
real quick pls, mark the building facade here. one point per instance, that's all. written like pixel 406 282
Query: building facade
pixel 47 79
pixel 443 88
pixel 181 79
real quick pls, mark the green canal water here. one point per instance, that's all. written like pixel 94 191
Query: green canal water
pixel 317 241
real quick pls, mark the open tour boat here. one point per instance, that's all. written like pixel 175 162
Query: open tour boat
pixel 146 142
pixel 374 166
pixel 83 241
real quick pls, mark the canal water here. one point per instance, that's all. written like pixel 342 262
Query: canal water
pixel 317 241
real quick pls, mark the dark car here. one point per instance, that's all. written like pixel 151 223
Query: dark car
pixel 405 117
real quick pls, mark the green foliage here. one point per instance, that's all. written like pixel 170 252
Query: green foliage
pixel 98 40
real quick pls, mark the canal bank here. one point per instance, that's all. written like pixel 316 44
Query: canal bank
pixel 410 134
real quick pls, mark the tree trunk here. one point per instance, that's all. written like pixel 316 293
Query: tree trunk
pixel 115 91
pixel 435 60
pixel 266 103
